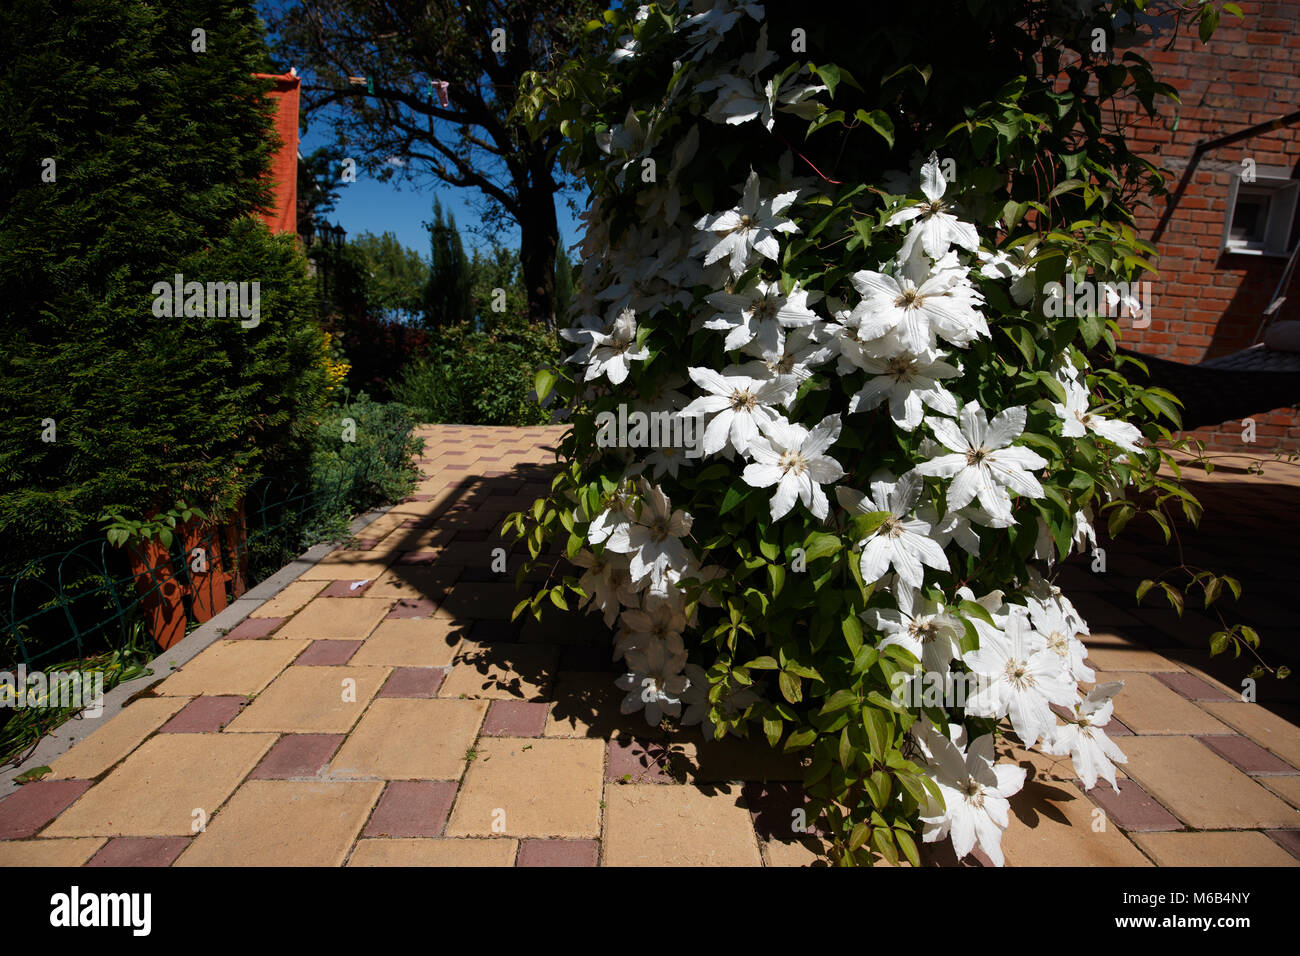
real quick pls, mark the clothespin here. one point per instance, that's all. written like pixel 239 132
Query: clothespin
pixel 367 82
pixel 442 91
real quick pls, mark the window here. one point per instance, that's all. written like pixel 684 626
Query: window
pixel 1261 214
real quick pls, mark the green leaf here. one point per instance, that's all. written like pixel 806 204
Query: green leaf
pixel 852 628
pixel 1143 588
pixel 880 122
pixel 791 687
pixel 764 663
pixel 734 496
pixel 543 382
pixel 819 544
pixel 1218 642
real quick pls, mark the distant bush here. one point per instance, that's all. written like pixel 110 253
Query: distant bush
pixel 480 378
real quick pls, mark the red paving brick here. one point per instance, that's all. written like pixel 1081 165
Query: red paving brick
pixel 328 653
pixel 254 628
pixel 33 805
pixel 515 718
pixel 1132 808
pixel 413 682
pixel 204 715
pixel 297 755
pixel 558 853
pixel 139 851
pixel 412 808
pixel 1248 756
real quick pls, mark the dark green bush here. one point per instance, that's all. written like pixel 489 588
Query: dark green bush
pixel 159 152
pixel 480 378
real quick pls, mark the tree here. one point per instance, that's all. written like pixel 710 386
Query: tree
pixel 482 48
pixel 134 156
pixel 447 293
pixel 396 277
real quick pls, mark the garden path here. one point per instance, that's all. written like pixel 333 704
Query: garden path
pixel 406 721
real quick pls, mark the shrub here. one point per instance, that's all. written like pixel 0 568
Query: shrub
pixel 480 378
pixel 900 432
pixel 158 155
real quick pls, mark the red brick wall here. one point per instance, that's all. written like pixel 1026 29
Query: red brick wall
pixel 1206 304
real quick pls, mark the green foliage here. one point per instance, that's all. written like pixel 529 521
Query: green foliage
pixel 361 458
pixel 395 277
pixel 470 144
pixel 447 294
pixel 1016 98
pixel 159 154
pixel 480 377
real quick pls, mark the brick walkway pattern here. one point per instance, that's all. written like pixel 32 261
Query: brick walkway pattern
pixel 383 710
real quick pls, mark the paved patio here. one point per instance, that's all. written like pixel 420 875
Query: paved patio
pixel 383 710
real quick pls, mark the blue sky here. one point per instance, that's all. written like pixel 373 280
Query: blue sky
pixel 402 207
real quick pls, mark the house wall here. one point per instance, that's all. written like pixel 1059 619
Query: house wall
pixel 1208 304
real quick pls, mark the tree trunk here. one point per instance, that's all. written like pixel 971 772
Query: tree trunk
pixel 539 237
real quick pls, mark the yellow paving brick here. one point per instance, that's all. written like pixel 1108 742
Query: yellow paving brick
pixel 311 700
pixel 411 642
pixel 1202 789
pixel 357 569
pixel 1288 788
pixel 43 852
pixel 531 788
pixel 292 599
pixel 1109 652
pixel 806 851
pixel 496 852
pixel 1260 725
pixel 414 581
pixel 1052 824
pixel 342 619
pixel 1212 849
pixel 232 667
pixel 586 705
pixel 666 825
pixel 502 671
pixel 1146 706
pixel 405 739
pixel 285 823
pixel 155 791
pixel 118 736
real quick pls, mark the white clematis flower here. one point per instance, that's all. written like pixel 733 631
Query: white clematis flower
pixel 936 229
pixel 1093 753
pixel 923 628
pixel 612 353
pixel 983 463
pixel 975 809
pixel 1020 678
pixel 1078 421
pixel 749 228
pixel 794 459
pixel 907 381
pixel 605 581
pixel 652 540
pixel 901 542
pixel 918 305
pixel 758 315
pixel 739 405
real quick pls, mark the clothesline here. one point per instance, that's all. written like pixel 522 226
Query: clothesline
pixel 436 87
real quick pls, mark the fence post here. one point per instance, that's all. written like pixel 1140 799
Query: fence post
pixel 151 565
pixel 236 532
pixel 207 580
